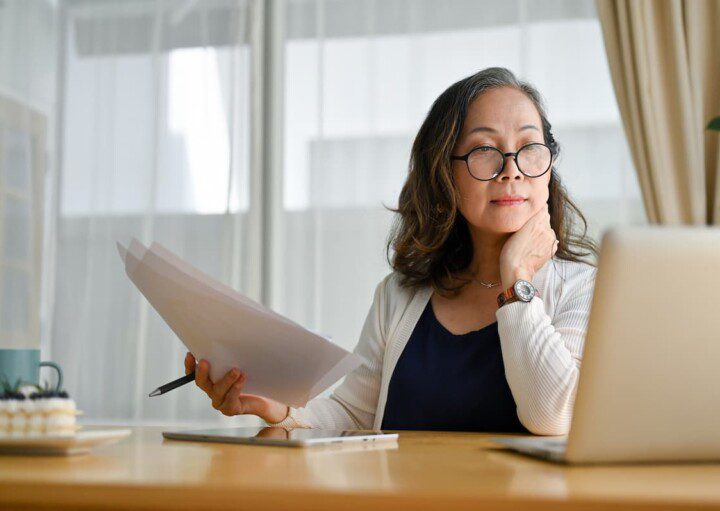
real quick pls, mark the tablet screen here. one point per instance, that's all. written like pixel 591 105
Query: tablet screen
pixel 278 435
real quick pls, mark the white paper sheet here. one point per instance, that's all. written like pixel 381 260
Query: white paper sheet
pixel 283 360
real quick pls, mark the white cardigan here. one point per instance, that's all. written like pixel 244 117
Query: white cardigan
pixel 541 341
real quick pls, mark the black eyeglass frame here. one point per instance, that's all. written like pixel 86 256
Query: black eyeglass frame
pixel 504 159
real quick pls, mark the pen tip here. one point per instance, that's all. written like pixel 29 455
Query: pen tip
pixel 155 392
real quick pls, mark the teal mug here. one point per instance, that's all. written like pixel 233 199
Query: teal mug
pixel 23 366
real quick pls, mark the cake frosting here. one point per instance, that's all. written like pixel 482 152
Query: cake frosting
pixel 40 413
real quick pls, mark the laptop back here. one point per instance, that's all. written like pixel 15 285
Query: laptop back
pixel 649 387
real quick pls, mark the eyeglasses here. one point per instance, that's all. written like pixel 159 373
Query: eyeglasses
pixel 486 162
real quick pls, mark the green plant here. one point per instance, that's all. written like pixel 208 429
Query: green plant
pixel 10 390
pixel 714 124
pixel 46 390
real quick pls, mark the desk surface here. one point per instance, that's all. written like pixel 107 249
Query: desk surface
pixel 423 470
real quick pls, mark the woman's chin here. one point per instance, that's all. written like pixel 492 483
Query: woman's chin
pixel 508 231
pixel 508 226
pixel 498 230
pixel 501 224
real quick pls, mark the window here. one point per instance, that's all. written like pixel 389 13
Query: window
pixel 167 105
pixel 360 78
pixel 22 168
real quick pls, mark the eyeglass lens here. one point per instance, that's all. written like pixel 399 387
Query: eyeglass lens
pixel 532 160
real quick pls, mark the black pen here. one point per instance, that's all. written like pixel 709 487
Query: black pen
pixel 173 384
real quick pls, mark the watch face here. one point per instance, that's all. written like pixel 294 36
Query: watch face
pixel 524 290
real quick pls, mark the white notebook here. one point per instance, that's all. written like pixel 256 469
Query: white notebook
pixel 282 360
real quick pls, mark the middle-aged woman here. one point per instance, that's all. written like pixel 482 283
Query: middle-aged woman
pixel 481 325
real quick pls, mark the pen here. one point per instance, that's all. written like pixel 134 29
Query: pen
pixel 173 384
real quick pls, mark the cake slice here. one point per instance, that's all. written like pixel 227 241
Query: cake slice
pixel 43 412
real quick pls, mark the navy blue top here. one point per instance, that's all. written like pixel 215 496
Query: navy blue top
pixel 449 382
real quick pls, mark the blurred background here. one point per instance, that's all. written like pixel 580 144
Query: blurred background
pixel 260 141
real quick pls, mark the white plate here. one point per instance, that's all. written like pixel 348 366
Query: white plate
pixel 79 443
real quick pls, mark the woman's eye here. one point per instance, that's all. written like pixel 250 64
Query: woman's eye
pixel 533 144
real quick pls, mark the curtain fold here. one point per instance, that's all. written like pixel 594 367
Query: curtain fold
pixel 167 119
pixel 28 46
pixel 155 146
pixel 663 58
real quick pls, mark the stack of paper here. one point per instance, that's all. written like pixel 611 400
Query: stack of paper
pixel 282 360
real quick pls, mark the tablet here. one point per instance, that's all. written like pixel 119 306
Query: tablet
pixel 300 437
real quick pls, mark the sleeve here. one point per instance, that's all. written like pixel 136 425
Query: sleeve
pixel 353 403
pixel 542 357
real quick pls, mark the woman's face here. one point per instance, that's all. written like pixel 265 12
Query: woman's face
pixel 507 119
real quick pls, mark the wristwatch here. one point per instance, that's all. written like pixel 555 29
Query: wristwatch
pixel 522 290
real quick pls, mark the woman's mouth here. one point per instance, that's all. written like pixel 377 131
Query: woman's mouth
pixel 508 202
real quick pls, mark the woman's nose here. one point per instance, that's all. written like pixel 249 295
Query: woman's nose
pixel 510 171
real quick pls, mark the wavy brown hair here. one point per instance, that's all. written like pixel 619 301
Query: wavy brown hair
pixel 430 239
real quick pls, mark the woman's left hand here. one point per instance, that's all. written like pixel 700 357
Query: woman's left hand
pixel 528 249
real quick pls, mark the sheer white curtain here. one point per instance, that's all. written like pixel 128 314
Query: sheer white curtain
pixel 359 79
pixel 28 32
pixel 158 103
pixel 156 145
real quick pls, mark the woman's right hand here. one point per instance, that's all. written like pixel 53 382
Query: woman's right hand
pixel 227 396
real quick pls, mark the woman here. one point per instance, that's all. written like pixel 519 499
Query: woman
pixel 481 325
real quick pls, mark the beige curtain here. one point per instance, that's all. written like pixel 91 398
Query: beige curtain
pixel 664 58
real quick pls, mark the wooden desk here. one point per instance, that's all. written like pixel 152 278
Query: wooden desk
pixel 448 471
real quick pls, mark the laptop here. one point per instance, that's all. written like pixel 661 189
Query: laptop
pixel 649 386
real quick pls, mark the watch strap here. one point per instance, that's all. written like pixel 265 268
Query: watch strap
pixel 515 299
pixel 509 296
